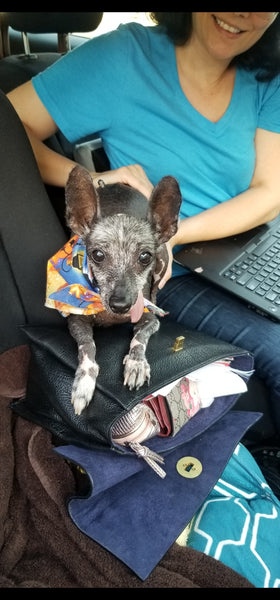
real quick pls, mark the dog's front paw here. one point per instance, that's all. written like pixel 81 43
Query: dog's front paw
pixel 136 372
pixel 83 388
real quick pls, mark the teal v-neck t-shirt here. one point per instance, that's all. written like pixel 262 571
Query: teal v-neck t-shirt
pixel 124 86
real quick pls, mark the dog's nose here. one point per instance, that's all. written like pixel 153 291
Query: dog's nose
pixel 120 301
pixel 119 305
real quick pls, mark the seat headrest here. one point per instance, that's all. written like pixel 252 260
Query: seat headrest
pixel 53 22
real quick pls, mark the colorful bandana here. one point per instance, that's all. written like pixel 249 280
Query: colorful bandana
pixel 70 285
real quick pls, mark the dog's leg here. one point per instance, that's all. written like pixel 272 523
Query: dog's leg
pixel 83 388
pixel 137 368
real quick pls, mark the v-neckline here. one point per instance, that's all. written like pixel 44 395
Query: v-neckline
pixel 214 126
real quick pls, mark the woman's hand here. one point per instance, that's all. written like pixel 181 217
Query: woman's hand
pixel 168 271
pixel 132 175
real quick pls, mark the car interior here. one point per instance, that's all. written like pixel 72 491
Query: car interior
pixel 29 43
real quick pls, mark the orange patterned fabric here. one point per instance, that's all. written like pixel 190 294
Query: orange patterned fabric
pixel 70 285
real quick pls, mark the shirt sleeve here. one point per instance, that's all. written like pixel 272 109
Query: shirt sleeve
pixel 269 105
pixel 75 89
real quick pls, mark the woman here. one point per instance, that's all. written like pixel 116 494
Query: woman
pixel 198 97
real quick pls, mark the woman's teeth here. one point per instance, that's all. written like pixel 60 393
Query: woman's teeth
pixel 227 27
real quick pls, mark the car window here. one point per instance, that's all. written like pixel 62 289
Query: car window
pixel 111 20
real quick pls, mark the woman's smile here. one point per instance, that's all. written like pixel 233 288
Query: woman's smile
pixel 226 27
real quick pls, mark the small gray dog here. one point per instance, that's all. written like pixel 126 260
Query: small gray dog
pixel 124 235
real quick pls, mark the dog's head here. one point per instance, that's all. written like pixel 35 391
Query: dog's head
pixel 124 235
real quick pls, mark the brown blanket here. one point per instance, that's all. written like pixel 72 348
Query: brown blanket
pixel 40 547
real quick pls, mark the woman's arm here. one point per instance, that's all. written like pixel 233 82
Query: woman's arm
pixel 54 167
pixel 257 205
pixel 39 125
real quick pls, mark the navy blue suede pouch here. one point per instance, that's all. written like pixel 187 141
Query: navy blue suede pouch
pixel 135 514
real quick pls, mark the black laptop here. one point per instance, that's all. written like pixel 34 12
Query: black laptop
pixel 247 265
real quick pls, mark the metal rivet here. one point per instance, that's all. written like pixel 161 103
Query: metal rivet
pixel 189 467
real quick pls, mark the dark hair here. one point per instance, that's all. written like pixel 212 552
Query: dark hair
pixel 264 56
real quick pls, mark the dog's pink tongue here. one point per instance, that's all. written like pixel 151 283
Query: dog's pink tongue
pixel 136 310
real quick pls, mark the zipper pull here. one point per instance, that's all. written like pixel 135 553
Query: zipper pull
pixel 152 458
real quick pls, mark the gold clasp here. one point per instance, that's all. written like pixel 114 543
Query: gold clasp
pixel 179 343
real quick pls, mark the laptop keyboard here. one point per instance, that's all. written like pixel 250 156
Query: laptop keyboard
pixel 259 269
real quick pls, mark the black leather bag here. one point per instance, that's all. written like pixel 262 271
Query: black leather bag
pixel 54 361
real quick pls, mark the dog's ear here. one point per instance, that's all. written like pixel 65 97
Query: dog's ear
pixel 82 203
pixel 164 207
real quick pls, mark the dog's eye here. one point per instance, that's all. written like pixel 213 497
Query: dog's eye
pixel 97 256
pixel 145 258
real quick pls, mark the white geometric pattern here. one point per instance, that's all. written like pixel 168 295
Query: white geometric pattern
pixel 239 523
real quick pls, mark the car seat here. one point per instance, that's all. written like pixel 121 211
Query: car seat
pixel 15 68
pixel 20 64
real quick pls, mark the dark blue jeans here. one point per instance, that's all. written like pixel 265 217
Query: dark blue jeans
pixel 202 306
